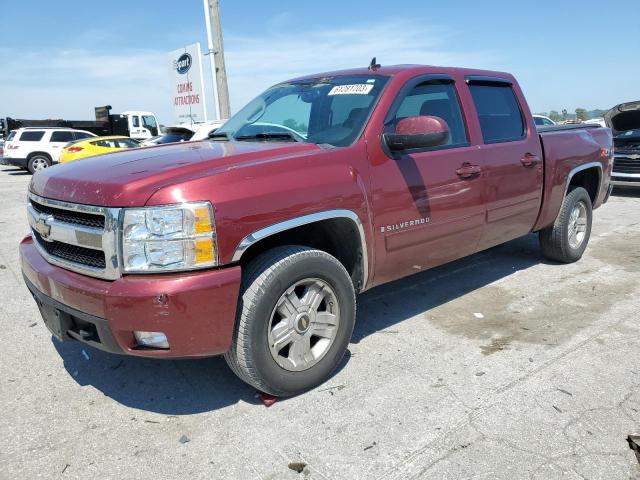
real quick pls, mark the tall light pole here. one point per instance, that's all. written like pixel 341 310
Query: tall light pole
pixel 216 58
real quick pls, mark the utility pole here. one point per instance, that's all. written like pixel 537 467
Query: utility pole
pixel 216 58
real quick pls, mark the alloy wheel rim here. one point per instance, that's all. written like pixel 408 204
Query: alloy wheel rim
pixel 303 324
pixel 39 163
pixel 577 225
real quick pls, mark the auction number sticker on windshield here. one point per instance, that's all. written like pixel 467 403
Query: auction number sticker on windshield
pixel 355 89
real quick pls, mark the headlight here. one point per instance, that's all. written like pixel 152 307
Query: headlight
pixel 172 238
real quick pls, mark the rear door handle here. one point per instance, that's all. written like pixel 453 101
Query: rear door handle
pixel 467 170
pixel 529 160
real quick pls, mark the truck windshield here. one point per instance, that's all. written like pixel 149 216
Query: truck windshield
pixel 329 110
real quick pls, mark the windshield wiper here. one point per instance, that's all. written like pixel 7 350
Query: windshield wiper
pixel 270 136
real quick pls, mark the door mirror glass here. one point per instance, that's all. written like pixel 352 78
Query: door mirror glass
pixel 422 131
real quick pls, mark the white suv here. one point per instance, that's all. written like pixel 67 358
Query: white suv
pixel 35 148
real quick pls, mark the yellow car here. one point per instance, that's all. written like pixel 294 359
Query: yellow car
pixel 88 147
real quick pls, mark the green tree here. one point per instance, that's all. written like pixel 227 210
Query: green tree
pixel 581 114
pixel 555 116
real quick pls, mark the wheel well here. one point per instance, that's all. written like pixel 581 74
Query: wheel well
pixel 33 154
pixel 589 179
pixel 337 236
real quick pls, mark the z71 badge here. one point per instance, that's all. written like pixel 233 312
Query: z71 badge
pixel 402 225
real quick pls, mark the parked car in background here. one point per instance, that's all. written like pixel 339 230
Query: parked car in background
pixel 187 132
pixel 36 148
pixel 255 243
pixel 624 120
pixel 96 146
pixel 173 134
pixel 541 120
pixel 596 121
pixel 151 141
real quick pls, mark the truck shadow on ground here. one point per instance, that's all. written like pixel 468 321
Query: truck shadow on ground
pixel 193 386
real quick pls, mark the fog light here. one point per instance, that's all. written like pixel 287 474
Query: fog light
pixel 152 339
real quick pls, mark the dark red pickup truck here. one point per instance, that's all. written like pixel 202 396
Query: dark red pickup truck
pixel 255 243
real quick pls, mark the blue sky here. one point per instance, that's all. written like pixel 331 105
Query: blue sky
pixel 62 58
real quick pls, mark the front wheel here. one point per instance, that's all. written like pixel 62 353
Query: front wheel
pixel 38 162
pixel 566 240
pixel 295 318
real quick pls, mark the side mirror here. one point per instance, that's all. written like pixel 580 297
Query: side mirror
pixel 418 132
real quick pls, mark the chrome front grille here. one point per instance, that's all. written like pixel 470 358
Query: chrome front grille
pixel 70 216
pixel 81 238
pixel 626 164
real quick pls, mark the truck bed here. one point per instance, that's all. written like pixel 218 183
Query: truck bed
pixel 566 150
pixel 571 126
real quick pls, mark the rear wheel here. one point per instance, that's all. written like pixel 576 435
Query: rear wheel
pixel 566 240
pixel 295 319
pixel 38 162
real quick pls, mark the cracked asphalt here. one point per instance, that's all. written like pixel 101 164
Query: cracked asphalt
pixel 497 366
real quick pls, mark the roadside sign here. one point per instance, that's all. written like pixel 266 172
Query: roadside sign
pixel 187 85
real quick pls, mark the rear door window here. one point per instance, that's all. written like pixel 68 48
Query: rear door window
pixel 61 136
pixel 31 136
pixel 499 113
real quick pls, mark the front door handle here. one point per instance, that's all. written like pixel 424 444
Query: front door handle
pixel 529 160
pixel 467 170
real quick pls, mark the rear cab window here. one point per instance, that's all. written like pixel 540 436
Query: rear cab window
pixel 31 136
pixel 499 113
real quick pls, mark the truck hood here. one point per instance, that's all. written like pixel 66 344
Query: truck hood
pixel 623 117
pixel 130 178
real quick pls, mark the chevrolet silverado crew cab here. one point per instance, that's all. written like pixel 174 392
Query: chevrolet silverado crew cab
pixel 254 243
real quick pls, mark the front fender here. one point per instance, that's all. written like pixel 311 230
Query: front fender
pixel 249 198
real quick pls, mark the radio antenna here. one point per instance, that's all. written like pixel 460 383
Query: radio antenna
pixel 373 65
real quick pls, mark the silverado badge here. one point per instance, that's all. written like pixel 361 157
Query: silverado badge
pixel 405 224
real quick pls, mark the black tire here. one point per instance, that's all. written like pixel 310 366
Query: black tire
pixel 555 240
pixel 265 280
pixel 38 161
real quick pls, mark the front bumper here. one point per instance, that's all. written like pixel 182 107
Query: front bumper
pixel 195 310
pixel 625 179
pixel 16 162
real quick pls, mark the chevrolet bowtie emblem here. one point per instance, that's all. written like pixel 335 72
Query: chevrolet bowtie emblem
pixel 42 227
pixel 634 157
